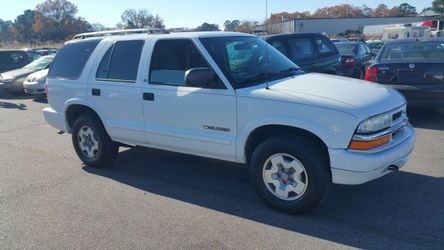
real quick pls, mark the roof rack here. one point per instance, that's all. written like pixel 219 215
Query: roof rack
pixel 149 31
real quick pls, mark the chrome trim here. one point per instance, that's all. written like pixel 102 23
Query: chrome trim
pixel 391 130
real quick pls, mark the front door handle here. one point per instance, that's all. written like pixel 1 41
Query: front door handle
pixel 148 96
pixel 95 92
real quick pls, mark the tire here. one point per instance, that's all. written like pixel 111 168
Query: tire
pixel 92 143
pixel 308 188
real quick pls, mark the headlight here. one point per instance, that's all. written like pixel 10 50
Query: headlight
pixel 41 81
pixel 374 124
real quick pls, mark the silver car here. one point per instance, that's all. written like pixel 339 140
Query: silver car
pixel 12 81
pixel 35 82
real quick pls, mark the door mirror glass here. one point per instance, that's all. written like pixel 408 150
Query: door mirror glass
pixel 199 77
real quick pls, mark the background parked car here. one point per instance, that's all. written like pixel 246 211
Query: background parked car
pixel 35 82
pixel 415 67
pixel 311 52
pixel 355 58
pixel 375 46
pixel 46 51
pixel 15 59
pixel 12 81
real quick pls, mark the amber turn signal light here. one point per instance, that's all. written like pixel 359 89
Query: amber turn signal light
pixel 366 145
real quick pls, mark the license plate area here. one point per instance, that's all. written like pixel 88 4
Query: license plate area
pixel 407 76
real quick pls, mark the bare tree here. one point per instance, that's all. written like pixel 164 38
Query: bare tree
pixel 140 19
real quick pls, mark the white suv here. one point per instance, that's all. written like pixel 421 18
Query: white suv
pixel 232 97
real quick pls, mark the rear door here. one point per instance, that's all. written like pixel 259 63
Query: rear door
pixel 114 90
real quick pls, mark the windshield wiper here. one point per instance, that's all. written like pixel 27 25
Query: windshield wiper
pixel 289 70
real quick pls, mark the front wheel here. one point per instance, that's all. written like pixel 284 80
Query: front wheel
pixel 290 173
pixel 91 142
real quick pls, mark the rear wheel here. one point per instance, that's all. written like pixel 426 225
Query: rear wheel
pixel 91 142
pixel 290 173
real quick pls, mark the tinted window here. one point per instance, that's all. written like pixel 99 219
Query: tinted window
pixel 325 46
pixel 301 48
pixel 13 58
pixel 279 46
pixel 121 62
pixel 172 58
pixel 71 59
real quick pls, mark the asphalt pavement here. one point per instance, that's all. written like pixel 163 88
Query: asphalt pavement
pixel 152 199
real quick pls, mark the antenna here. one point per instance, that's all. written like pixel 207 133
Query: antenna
pixel 266 44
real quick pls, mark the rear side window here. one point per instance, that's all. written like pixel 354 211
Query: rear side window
pixel 325 47
pixel 69 62
pixel 13 58
pixel 280 46
pixel 121 62
pixel 301 48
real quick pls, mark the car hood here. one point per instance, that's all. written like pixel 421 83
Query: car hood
pixel 15 74
pixel 38 75
pixel 341 93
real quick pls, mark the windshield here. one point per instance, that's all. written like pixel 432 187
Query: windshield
pixel 244 60
pixel 40 63
pixel 346 49
pixel 414 51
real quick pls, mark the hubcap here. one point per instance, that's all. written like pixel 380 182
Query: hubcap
pixel 88 143
pixel 285 177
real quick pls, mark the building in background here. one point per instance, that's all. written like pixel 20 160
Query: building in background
pixel 337 26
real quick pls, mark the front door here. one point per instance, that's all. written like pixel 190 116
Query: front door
pixel 195 120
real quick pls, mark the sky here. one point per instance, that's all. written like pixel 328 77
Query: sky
pixel 192 13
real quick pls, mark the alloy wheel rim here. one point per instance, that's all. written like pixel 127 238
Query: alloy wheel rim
pixel 285 177
pixel 87 141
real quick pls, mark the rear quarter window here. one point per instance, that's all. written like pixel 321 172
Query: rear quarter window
pixel 71 59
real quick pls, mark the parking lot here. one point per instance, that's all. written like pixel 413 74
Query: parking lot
pixel 151 199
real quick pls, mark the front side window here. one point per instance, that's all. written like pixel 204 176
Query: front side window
pixel 171 59
pixel 69 62
pixel 248 61
pixel 121 62
pixel 302 48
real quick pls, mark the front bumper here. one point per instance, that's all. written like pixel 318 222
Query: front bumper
pixel 55 119
pixel 353 167
pixel 34 88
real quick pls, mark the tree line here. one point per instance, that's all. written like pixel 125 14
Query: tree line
pixel 57 20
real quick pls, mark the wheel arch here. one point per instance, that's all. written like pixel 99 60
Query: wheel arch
pixel 252 133
pixel 75 109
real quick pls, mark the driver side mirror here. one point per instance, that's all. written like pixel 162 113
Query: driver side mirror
pixel 199 77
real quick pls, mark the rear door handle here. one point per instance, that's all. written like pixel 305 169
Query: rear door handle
pixel 148 96
pixel 95 92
